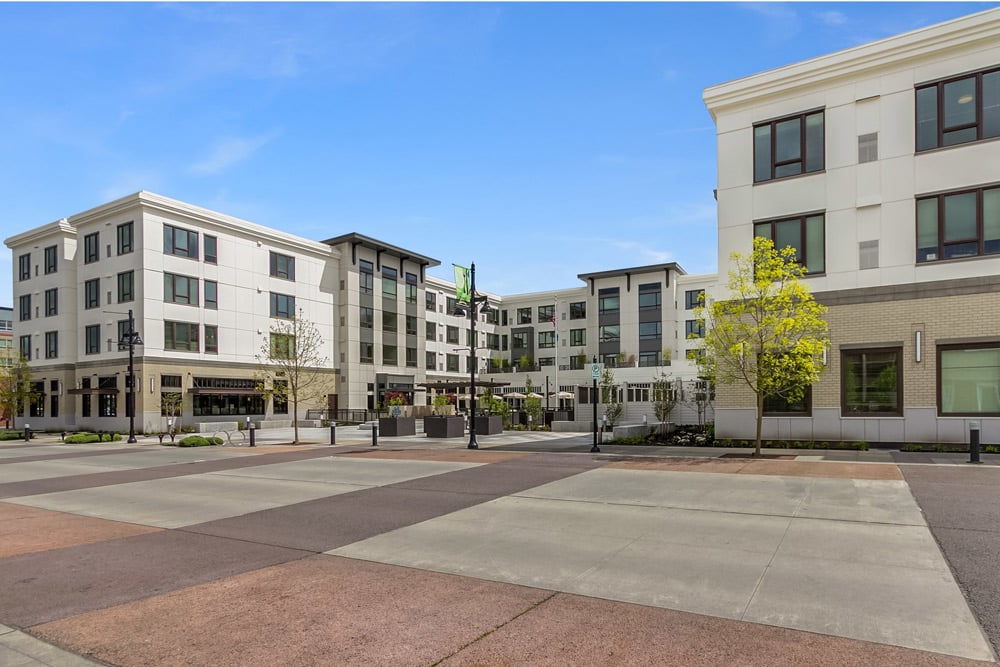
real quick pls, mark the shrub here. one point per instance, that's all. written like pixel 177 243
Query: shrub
pixel 12 435
pixel 992 449
pixel 199 441
pixel 910 447
pixel 861 446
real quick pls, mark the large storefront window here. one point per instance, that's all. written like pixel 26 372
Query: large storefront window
pixel 226 396
pixel 970 380
pixel 872 382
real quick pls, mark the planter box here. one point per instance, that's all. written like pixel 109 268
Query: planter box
pixel 444 427
pixel 491 425
pixel 389 426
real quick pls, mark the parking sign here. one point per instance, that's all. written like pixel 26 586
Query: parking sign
pixel 595 371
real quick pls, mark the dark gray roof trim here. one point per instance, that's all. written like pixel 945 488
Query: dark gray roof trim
pixel 382 246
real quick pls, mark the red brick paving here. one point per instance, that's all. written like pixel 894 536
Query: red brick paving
pixel 29 529
pixel 869 471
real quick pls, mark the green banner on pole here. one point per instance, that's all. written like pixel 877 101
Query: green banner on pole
pixel 462 290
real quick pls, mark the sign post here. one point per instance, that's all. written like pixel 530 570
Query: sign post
pixel 595 374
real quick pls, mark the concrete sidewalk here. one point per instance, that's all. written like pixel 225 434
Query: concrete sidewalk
pixel 409 556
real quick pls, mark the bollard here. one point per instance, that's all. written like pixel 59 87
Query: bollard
pixel 27 432
pixel 974 442
pixel 375 435
pixel 333 433
pixel 253 431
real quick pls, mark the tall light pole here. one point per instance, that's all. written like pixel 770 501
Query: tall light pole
pixel 129 340
pixel 476 305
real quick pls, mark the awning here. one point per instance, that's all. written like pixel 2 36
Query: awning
pixel 93 390
pixel 221 391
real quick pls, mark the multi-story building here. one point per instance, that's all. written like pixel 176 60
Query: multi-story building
pixel 880 164
pixel 7 354
pixel 204 289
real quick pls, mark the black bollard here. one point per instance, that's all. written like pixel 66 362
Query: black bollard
pixel 333 433
pixel 974 443
pixel 253 430
pixel 27 433
pixel 374 435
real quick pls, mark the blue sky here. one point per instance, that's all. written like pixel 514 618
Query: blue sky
pixel 539 141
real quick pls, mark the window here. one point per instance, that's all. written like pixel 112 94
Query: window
pixel 577 337
pixel 180 242
pixel 92 339
pixel 430 330
pixel 125 240
pixel 607 301
pixel 280 397
pixel 451 335
pixel 694 354
pixel 693 298
pixel 962 224
pixel 91 247
pixel 650 330
pixel 390 322
pixel 107 404
pixel 546 314
pixel 51 344
pixel 503 318
pixel 546 361
pixel 50 258
pixel 451 363
pixel 647 359
pixel 211 339
pixel 411 289
pixel 24 307
pixel 367 317
pixel 451 306
pixel 411 357
pixel 694 329
pixel 388 283
pixel 211 295
pixel 122 331
pixel 788 147
pixel 411 325
pixel 578 310
pixel 805 234
pixel 367 353
pixel 609 334
pixel 366 277
pixel 868 148
pixel 126 288
pixel 519 340
pixel 92 293
pixel 778 406
pixel 524 315
pixel 546 339
pixel 390 355
pixel 969 379
pixel 181 336
pixel 180 289
pixel 638 393
pixel 24 343
pixel 493 341
pixel 577 362
pixel 282 346
pixel 430 301
pixel 282 266
pixel 959 110
pixel 503 342
pixel 24 266
pixel 871 382
pixel 282 305
pixel 51 302
pixel 430 359
pixel 650 296
pixel 211 249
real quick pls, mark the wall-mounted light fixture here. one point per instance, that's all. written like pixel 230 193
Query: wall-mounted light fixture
pixel 824 354
pixel 918 350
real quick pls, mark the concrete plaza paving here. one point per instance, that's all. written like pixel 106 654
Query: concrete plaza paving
pixel 426 553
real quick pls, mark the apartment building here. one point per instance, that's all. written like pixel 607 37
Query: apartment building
pixel 203 290
pixel 880 164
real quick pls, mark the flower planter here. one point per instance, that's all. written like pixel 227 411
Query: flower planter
pixel 491 425
pixel 391 426
pixel 444 427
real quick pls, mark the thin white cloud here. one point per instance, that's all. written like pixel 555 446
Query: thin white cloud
pixel 129 182
pixel 227 151
pixel 832 18
pixel 783 21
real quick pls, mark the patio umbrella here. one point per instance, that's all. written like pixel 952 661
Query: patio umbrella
pixel 514 394
pixel 564 394
pixel 533 395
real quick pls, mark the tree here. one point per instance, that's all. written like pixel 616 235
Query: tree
pixel 609 396
pixel 664 398
pixel 16 389
pixel 769 334
pixel 171 405
pixel 532 404
pixel 292 366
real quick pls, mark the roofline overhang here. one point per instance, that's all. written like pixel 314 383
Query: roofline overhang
pixel 356 239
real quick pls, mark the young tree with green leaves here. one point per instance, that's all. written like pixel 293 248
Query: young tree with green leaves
pixel 292 366
pixel 16 389
pixel 664 398
pixel 769 333
pixel 609 396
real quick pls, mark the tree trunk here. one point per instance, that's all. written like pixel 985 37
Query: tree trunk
pixel 760 415
pixel 295 422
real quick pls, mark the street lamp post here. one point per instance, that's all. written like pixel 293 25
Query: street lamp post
pixel 129 340
pixel 477 304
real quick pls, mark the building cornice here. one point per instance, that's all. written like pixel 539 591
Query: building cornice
pixel 356 239
pixel 925 43
pixel 41 233
pixel 636 270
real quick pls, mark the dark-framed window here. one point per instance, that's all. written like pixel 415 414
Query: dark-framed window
pixel 51 259
pixel 524 315
pixel 608 301
pixel 366 317
pixel 546 314
pixel 411 325
pixel 51 302
pixel 24 307
pixel 648 359
pixel 390 322
pixel 180 242
pixel 211 295
pixel 24 345
pixel 367 352
pixel 650 296
pixel 107 404
pixel 211 249
pixel 282 346
pixel 388 283
pixel 650 330
pixel 958 110
pixel 451 335
pixel 788 146
pixel 281 397
pixel 24 266
pixel 958 224
pixel 122 330
pixel 390 355
pixel 519 340
pixel 91 247
pixel 92 339
pixel 806 234
pixel 451 363
pixel 430 330
pixel 211 339
pixel 282 266
pixel 546 339
pixel 871 382
pixel 969 380
pixel 51 344
pixel 182 336
pixel 366 277
pixel 126 286
pixel 693 298
pixel 282 306
pixel 125 236
pixel 577 337
pixel 451 305
pixel 92 293
pixel 430 360
pixel 610 333
pixel 493 341
pixel 411 292
pixel 411 357
pixel 430 301
pixel 780 406
pixel 694 329
pixel 578 310
pixel 180 289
